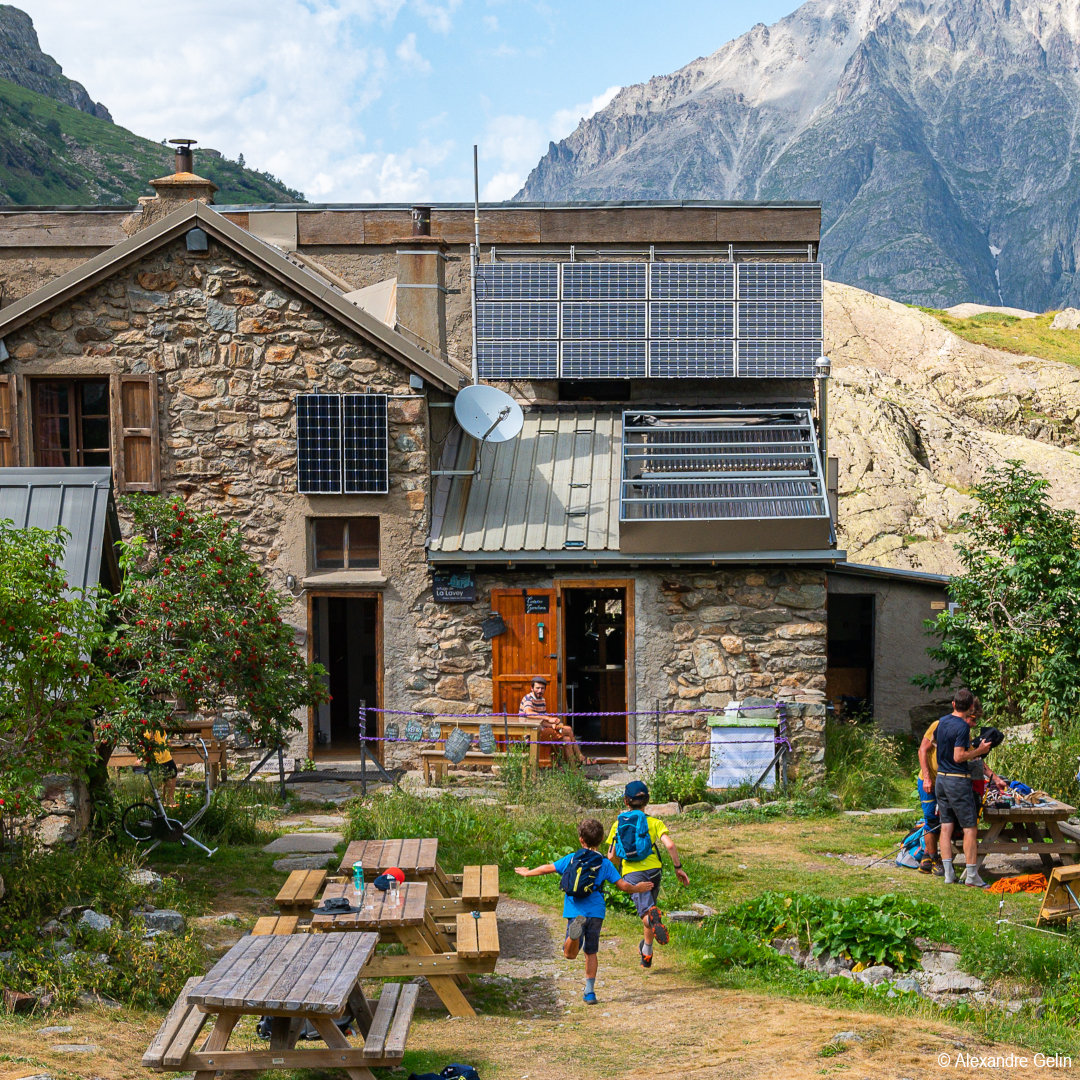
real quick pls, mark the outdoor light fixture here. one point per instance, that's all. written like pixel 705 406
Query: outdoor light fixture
pixel 290 582
pixel 196 240
pixel 540 631
pixel 822 367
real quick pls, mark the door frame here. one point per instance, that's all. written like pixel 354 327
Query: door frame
pixel 562 585
pixel 349 594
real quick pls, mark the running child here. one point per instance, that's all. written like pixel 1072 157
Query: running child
pixel 635 839
pixel 584 874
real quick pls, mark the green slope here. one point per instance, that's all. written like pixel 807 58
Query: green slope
pixel 52 154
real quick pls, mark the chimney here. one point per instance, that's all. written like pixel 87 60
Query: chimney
pixel 183 186
pixel 421 287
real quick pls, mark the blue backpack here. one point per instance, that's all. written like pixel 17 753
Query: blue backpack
pixel 633 841
pixel 579 878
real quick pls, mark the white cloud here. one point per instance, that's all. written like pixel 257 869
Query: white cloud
pixel 437 16
pixel 409 55
pixel 516 143
pixel 491 23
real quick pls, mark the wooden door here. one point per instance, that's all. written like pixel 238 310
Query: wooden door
pixel 529 647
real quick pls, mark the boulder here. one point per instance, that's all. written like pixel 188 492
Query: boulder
pixel 93 920
pixel 955 982
pixel 698 808
pixel 875 975
pixel 740 804
pixel 664 809
pixel 939 961
pixel 145 878
pixel 171 922
pixel 1067 319
pixel 908 986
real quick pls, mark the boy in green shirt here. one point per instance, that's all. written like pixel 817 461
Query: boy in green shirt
pixel 644 865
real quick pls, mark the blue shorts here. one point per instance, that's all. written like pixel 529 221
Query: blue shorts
pixel 929 808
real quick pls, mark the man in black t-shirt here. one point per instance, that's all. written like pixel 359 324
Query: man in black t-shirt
pixel 955 797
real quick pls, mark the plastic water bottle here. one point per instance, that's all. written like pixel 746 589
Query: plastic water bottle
pixel 358 880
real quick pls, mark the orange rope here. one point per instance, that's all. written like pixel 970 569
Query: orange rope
pixel 1032 883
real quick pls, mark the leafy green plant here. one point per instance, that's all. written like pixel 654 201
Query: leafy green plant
pixel 677 778
pixel 564 785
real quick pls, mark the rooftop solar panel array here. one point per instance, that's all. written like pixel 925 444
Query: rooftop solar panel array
pixel 659 319
pixel 341 444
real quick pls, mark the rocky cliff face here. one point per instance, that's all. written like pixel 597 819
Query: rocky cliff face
pixel 916 417
pixel 939 135
pixel 23 63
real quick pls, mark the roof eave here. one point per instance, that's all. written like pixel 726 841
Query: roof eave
pixel 827 556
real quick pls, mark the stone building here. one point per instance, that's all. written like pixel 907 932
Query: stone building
pixel 656 539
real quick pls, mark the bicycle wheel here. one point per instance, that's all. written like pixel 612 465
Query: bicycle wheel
pixel 139 820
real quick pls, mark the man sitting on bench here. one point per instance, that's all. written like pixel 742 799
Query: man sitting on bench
pixel 552 728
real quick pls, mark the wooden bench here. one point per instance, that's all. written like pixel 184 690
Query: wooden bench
pixel 182 754
pixel 477 936
pixel 300 893
pixel 277 924
pixel 480 886
pixel 435 762
pixel 178 1032
pixel 385 1040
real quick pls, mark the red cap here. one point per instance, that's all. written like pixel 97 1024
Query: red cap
pixel 395 872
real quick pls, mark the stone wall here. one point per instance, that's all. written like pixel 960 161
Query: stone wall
pixel 701 640
pixel 231 348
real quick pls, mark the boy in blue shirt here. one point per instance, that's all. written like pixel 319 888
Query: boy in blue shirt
pixel 584 914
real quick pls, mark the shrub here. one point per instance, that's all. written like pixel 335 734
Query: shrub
pixel 1048 763
pixel 678 779
pixel 564 786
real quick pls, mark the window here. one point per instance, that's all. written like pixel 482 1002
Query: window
pixel 71 422
pixel 341 444
pixel 345 543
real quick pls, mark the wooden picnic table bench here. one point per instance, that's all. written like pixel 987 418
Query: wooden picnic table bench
pixel 416 859
pixel 430 950
pixel 295 979
pixel 1017 830
pixel 300 893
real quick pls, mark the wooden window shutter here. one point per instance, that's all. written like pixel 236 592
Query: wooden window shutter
pixel 9 422
pixel 136 450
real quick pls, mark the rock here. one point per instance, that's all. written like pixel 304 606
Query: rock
pixel 740 804
pixel 698 808
pixel 36 1076
pixel 939 962
pixel 835 965
pixel 704 910
pixel 52 928
pixel 312 862
pixel 908 986
pixel 1066 319
pixel 171 922
pixel 55 1030
pixel 307 843
pixel 875 975
pixel 91 1000
pixel 955 982
pixel 93 920
pixel 146 878
pixel 76 1048
pixel 684 916
pixel 847 1036
pixel 664 809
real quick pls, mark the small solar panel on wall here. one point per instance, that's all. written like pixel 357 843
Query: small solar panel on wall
pixel 692 281
pixel 517 281
pixel 318 444
pixel 518 359
pixel 603 281
pixel 364 444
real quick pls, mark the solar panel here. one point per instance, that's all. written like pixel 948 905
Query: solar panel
pixel 691 319
pixel 691 359
pixel 517 281
pixel 518 359
pixel 603 281
pixel 513 319
pixel 364 444
pixel 780 281
pixel 602 359
pixel 692 281
pixel 770 358
pixel 318 444
pixel 601 320
pixel 789 320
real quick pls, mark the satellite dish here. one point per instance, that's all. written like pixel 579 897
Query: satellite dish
pixel 488 414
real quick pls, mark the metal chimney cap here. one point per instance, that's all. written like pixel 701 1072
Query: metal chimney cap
pixel 182 142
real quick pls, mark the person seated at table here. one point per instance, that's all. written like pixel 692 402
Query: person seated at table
pixel 552 728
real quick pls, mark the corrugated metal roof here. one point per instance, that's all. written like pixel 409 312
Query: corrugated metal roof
pixel 79 500
pixel 554 488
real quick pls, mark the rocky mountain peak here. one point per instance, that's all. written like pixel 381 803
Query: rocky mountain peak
pixel 23 63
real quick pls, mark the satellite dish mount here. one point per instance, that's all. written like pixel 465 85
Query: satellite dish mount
pixel 489 415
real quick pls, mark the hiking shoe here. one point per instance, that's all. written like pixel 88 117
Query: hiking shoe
pixel 976 882
pixel 589 997
pixel 656 925
pixel 926 865
pixel 646 961
pixel 576 928
pixel 939 868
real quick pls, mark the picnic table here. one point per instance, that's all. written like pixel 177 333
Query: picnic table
pixel 1017 830
pixel 417 860
pixel 293 979
pixel 430 951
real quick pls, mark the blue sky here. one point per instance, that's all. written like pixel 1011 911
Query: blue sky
pixel 377 100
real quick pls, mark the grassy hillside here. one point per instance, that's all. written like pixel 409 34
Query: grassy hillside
pixel 1029 337
pixel 52 154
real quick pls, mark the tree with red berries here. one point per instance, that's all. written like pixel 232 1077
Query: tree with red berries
pixel 196 624
pixel 50 688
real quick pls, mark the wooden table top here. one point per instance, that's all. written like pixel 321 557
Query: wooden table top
pixel 381 914
pixel 412 857
pixel 1050 810
pixel 297 973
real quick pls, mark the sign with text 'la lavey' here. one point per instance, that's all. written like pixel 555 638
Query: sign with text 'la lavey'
pixel 453 589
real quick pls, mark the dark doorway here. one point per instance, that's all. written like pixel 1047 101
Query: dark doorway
pixel 594 675
pixel 850 673
pixel 346 636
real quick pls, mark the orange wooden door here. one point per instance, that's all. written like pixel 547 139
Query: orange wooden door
pixel 529 647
